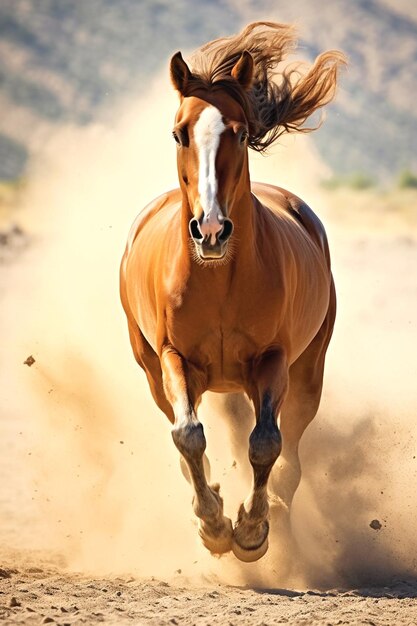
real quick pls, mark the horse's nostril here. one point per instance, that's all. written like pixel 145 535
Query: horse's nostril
pixel 195 231
pixel 227 230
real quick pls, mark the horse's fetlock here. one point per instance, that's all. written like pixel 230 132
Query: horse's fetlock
pixel 208 507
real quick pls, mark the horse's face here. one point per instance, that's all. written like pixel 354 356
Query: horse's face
pixel 211 134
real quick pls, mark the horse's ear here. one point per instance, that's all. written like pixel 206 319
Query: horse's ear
pixel 243 70
pixel 180 73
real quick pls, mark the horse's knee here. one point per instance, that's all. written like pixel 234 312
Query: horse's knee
pixel 190 439
pixel 264 445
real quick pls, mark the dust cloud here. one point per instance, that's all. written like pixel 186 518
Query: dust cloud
pixel 101 478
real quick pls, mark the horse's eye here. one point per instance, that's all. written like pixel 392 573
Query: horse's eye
pixel 177 139
pixel 243 136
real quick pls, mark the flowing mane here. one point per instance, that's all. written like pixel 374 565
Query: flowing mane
pixel 277 101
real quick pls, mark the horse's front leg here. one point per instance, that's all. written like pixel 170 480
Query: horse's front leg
pixel 214 528
pixel 267 389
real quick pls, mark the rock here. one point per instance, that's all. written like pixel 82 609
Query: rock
pixel 375 524
pixel 29 361
pixel 14 602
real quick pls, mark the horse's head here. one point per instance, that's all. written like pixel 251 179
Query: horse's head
pixel 234 98
pixel 211 132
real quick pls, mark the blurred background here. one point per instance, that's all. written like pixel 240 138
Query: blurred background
pixel 64 61
pixel 86 113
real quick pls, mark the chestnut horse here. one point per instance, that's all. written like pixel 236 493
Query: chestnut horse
pixel 227 285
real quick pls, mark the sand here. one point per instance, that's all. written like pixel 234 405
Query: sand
pixel 42 593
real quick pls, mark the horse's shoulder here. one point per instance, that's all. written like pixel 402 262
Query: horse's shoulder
pixel 283 201
pixel 165 200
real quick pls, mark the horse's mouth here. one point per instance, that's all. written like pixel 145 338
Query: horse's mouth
pixel 212 252
pixel 207 252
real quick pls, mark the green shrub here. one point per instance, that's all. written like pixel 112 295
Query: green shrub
pixel 359 181
pixel 356 180
pixel 407 180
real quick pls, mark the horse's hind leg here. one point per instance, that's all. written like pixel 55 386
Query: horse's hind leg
pixel 299 409
pixel 267 390
pixel 188 435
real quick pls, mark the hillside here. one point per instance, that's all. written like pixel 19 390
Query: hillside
pixel 63 61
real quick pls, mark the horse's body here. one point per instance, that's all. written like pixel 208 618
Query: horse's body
pixel 272 294
pixel 227 287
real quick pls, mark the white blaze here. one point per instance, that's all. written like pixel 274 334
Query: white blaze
pixel 207 133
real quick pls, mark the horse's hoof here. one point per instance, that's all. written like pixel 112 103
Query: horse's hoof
pixel 249 555
pixel 217 540
pixel 250 537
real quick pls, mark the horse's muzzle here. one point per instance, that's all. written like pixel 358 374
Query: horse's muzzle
pixel 205 248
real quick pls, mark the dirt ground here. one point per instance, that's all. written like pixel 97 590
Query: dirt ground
pixel 40 592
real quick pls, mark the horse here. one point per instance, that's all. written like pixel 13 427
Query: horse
pixel 227 284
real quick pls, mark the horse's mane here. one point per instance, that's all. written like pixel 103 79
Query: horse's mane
pixel 272 107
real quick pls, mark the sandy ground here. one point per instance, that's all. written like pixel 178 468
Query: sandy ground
pixel 96 522
pixel 40 593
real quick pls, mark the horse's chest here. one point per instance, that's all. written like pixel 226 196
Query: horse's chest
pixel 221 342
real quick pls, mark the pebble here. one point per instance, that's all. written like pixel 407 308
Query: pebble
pixel 375 524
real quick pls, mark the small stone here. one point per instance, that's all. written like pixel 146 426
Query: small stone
pixel 4 573
pixel 48 620
pixel 29 361
pixel 375 524
pixel 14 602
